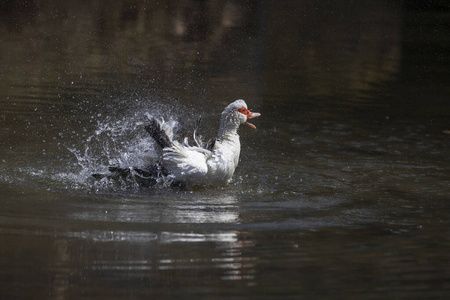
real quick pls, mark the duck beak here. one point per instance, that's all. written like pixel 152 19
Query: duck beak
pixel 252 115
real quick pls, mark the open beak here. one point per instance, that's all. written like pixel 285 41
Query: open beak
pixel 252 115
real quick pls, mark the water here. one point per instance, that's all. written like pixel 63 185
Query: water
pixel 342 192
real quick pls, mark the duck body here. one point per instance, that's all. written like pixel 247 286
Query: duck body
pixel 197 165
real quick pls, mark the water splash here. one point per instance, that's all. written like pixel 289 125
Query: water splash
pixel 122 143
pixel 113 135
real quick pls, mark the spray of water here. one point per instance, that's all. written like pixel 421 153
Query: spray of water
pixel 118 140
pixel 122 143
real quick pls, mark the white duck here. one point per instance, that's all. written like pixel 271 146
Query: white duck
pixel 213 164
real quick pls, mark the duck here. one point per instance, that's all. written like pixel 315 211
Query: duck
pixel 210 163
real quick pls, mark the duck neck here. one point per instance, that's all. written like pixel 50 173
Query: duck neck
pixel 229 125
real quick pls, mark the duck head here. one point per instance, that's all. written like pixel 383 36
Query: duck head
pixel 237 113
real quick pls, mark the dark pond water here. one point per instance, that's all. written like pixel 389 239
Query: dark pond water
pixel 342 192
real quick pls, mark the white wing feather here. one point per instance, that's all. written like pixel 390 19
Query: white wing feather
pixel 186 163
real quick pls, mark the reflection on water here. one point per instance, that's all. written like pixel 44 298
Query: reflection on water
pixel 353 48
pixel 190 210
pixel 341 192
pixel 129 38
pixel 126 239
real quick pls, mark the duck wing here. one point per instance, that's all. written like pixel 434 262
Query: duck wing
pixel 209 145
pixel 186 163
pixel 158 134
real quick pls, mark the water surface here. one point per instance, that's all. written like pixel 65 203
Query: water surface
pixel 342 192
